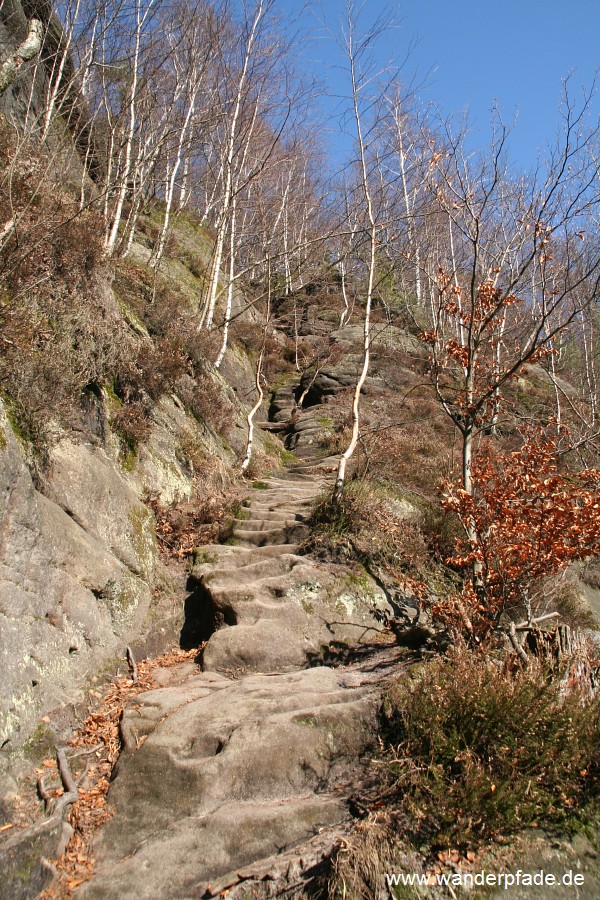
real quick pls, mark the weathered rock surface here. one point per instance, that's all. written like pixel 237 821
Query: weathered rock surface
pixel 256 754
pixel 228 772
pixel 86 484
pixel 67 603
pixel 277 612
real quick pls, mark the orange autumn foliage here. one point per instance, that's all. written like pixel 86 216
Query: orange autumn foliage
pixel 528 519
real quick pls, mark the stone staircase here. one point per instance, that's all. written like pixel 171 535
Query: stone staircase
pixel 235 775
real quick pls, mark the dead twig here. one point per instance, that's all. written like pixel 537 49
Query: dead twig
pixel 526 626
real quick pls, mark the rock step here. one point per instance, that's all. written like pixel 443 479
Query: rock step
pixel 253 571
pixel 289 503
pixel 282 404
pixel 310 483
pixel 272 515
pixel 291 496
pixel 278 500
pixel 259 523
pixel 305 453
pixel 288 477
pixel 238 558
pixel 268 592
pixel 312 464
pixel 282 416
pixel 303 484
pixel 309 425
pixel 271 536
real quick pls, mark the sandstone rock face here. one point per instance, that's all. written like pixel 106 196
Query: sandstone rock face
pixel 90 489
pixel 74 586
pixel 161 470
pixel 77 562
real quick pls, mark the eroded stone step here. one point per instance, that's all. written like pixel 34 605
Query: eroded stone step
pixel 259 523
pixel 212 554
pixel 303 485
pixel 217 773
pixel 271 536
pixel 252 572
pixel 269 515
pixel 278 503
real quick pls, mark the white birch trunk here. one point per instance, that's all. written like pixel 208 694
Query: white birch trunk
pixel 213 284
pixel 221 355
pixel 347 454
pixel 258 377
pixel 58 73
pixel 125 174
pixel 29 48
pixel 157 255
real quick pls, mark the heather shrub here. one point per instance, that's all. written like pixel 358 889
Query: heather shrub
pixel 475 750
pixel 132 425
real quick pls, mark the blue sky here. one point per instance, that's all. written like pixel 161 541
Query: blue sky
pixel 513 51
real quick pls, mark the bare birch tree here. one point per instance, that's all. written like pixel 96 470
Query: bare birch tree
pixel 250 32
pixel 357 50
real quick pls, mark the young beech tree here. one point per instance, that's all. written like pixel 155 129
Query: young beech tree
pixel 525 519
pixel 518 267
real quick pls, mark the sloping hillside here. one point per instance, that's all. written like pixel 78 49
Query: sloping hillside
pixel 299 473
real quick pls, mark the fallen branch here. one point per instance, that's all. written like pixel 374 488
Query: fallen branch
pixel 527 626
pixel 512 636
